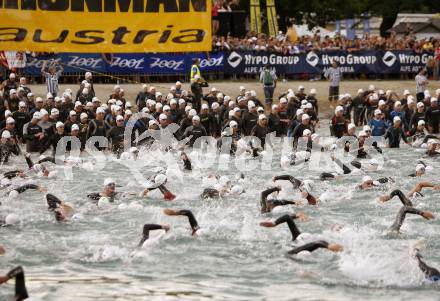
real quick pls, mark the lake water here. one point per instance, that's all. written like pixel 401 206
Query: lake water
pixel 94 256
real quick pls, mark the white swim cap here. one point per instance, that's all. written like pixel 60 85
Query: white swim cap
pixel 37 167
pixel 13 194
pixel 237 189
pixel 6 134
pixel 305 117
pixel 108 182
pixel 160 179
pixel 420 167
pixel 362 134
pixel 366 179
pixel 12 219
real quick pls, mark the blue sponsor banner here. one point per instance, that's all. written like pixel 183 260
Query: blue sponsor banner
pixel 237 62
pixel 356 62
pixel 128 63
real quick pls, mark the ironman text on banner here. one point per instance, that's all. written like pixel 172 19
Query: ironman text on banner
pixel 116 26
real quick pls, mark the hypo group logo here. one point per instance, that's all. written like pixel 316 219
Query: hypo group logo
pixel 312 59
pixel 389 58
pixel 234 59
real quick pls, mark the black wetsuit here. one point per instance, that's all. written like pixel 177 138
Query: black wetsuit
pixel 53 204
pixel 264 195
pixel 116 137
pixel 394 135
pixel 146 231
pixel 405 201
pixel 401 217
pixel 20 286
pixel 327 176
pixel 268 205
pixel 295 182
pixel 260 132
pixel 289 219
pixel 12 174
pixel 30 163
pixel 297 185
pixel 6 150
pixel 95 196
pixel 192 220
pixel 187 164
pixel 194 131
pixel 431 273
pixel 356 164
pixel 310 247
pixel 210 193
pixel 23 188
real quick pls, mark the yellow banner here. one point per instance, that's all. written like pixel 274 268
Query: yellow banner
pixel 105 26
pixel 255 16
pixel 272 22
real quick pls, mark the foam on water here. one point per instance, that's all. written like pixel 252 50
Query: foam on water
pixel 234 258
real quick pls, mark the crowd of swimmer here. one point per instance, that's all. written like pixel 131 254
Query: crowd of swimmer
pixel 40 124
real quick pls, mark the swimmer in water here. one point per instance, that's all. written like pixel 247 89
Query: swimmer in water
pixel 320 244
pixel 109 191
pixel 419 187
pixel 329 176
pixel 20 286
pixel 405 201
pixel 367 182
pixel 420 171
pixel 431 274
pixel 192 220
pixel 186 162
pixel 150 227
pixel 268 205
pixel 303 186
pixel 416 190
pixel 39 167
pixel 432 146
pixel 159 182
pixel 400 218
pixel 13 174
pixel 26 187
pixel 58 207
pixel 289 220
pixel 210 193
